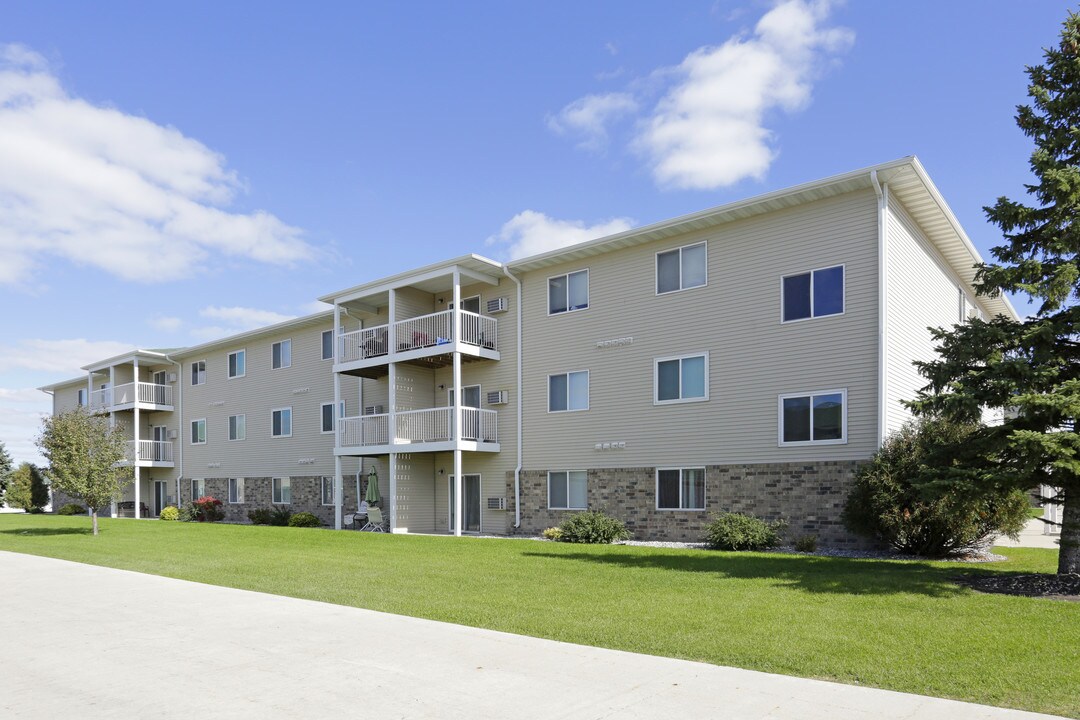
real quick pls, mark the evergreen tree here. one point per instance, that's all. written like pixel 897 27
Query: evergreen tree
pixel 1030 367
pixel 27 488
pixel 6 465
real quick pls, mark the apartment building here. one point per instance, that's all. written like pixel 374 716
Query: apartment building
pixel 746 358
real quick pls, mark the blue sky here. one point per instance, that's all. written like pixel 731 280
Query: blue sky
pixel 168 176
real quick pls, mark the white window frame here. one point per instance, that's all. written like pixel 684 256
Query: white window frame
pixel 280 342
pixel 568 506
pixel 322 490
pixel 281 409
pixel 236 484
pixel 228 362
pixel 333 341
pixel 479 304
pixel 200 374
pixel 333 418
pixel 228 430
pixel 204 433
pixel 656 269
pixel 679 400
pixel 277 484
pixel 83 397
pixel 197 483
pixel 681 470
pixel 588 292
pixel 588 394
pixel 843 294
pixel 842 440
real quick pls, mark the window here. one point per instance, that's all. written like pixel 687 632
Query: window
pixel 328 491
pixel 238 427
pixel 198 488
pixel 281 422
pixel 569 292
pixel 237 363
pixel 568 392
pixel 813 294
pixel 680 489
pixel 813 418
pixel 470 396
pixel 469 304
pixel 198 432
pixel 236 490
pixel 281 354
pixel 328 345
pixel 282 490
pixel 198 372
pixel 327 412
pixel 567 490
pixel 681 379
pixel 681 268
pixel 82 397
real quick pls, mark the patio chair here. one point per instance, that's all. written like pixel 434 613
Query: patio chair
pixel 374 521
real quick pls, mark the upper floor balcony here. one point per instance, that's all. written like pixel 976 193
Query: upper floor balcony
pixel 426 430
pixel 149 453
pixel 148 396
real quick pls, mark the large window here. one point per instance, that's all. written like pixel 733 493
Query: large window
pixel 237 364
pixel 569 292
pixel 238 427
pixel 281 422
pixel 813 294
pixel 236 490
pixel 198 432
pixel 813 418
pixel 328 345
pixel 567 490
pixel 681 268
pixel 681 379
pixel 281 490
pixel 568 392
pixel 680 489
pixel 198 372
pixel 327 490
pixel 281 354
pixel 198 488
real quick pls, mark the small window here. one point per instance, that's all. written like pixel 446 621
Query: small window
pixel 198 372
pixel 567 490
pixel 236 490
pixel 328 345
pixel 681 268
pixel 198 488
pixel 238 427
pixel 818 418
pixel 327 412
pixel 198 432
pixel 469 304
pixel 327 491
pixel 281 422
pixel 681 379
pixel 281 354
pixel 82 397
pixel 568 392
pixel 569 292
pixel 680 489
pixel 813 294
pixel 237 364
pixel 282 490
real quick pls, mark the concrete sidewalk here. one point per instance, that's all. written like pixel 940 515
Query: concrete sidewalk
pixel 1032 536
pixel 90 642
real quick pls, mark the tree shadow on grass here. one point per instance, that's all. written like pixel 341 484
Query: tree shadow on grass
pixel 810 574
pixel 45 532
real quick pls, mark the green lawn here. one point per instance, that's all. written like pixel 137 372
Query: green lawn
pixel 889 624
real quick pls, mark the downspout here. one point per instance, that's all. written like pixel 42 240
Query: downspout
pixel 180 424
pixel 520 403
pixel 883 296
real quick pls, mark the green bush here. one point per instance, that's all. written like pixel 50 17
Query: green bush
pixel 279 516
pixel 169 514
pixel 592 527
pixel 71 509
pixel 188 513
pixel 806 544
pixel 735 531
pixel 304 520
pixel 895 501
pixel 551 533
pixel 260 516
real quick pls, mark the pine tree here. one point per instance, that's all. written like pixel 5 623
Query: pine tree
pixel 6 464
pixel 27 488
pixel 1030 367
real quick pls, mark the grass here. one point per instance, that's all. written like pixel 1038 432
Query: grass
pixel 890 624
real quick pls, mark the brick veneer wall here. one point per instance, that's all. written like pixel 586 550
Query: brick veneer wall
pixel 258 493
pixel 810 496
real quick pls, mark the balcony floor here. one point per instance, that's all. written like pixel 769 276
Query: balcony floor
pixel 418 447
pixel 435 356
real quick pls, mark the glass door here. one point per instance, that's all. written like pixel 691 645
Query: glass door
pixel 161 495
pixel 470 398
pixel 470 505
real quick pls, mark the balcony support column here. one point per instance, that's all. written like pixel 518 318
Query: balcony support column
pixel 456 320
pixel 135 434
pixel 338 415
pixel 106 401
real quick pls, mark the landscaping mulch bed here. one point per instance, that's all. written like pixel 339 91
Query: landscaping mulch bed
pixel 1054 587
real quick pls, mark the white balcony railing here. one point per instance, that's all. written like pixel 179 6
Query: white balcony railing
pixel 363 344
pixel 149 393
pixel 415 333
pixel 418 426
pixel 150 451
pixel 479 425
pixel 424 331
pixel 479 330
pixel 364 430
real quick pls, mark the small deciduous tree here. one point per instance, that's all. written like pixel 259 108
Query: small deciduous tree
pixel 83 453
pixel 27 488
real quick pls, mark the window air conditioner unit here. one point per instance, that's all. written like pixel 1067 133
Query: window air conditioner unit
pixel 173 434
pixel 171 377
pixel 499 397
pixel 497 305
pixel 496 503
pixel 373 409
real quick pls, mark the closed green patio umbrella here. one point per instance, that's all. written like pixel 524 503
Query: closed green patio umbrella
pixel 372 494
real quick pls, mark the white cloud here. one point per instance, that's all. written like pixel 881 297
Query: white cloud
pixel 166 323
pixel 63 358
pixel 235 320
pixel 588 117
pixel 21 411
pixel 96 186
pixel 315 306
pixel 530 233
pixel 709 128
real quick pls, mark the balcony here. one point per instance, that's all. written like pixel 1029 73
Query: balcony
pixel 428 430
pixel 426 340
pixel 149 453
pixel 149 396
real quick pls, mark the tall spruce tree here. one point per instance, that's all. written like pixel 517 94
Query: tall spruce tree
pixel 1032 366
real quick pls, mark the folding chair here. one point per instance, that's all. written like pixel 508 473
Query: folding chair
pixel 374 520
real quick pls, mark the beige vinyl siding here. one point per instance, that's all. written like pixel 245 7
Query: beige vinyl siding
pixel 411 302
pixel 415 492
pixel 66 398
pixel 736 319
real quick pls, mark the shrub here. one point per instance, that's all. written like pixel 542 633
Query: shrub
pixel 71 509
pixel 304 520
pixel 551 533
pixel 188 513
pixel 895 501
pixel 260 516
pixel 169 513
pixel 279 516
pixel 593 527
pixel 806 544
pixel 208 509
pixel 735 531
